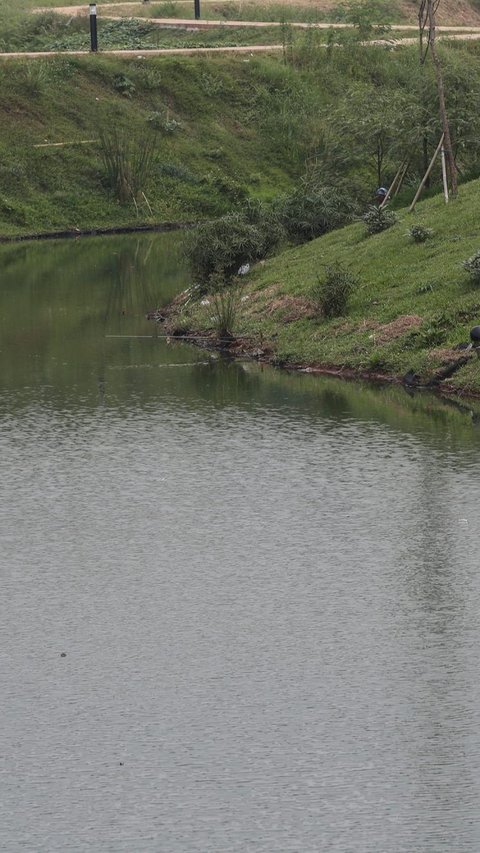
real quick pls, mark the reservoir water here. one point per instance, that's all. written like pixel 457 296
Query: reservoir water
pixel 240 609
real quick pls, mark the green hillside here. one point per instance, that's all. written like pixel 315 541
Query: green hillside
pixel 216 128
pixel 412 305
pixel 221 129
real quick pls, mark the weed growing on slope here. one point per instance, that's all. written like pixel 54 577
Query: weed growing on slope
pixel 472 265
pixel 378 219
pixel 332 292
pixel 419 233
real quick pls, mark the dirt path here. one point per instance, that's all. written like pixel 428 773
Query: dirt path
pixel 191 23
pixel 139 54
pixel 191 51
pixel 82 11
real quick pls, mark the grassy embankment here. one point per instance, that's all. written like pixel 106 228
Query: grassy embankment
pixel 413 304
pixel 223 129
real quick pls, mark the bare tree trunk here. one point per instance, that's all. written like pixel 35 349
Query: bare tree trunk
pixel 441 101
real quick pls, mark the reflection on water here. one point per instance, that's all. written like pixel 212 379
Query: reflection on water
pixel 265 586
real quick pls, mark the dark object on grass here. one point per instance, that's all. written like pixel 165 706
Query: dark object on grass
pixel 411 379
pixel 380 195
pixel 475 336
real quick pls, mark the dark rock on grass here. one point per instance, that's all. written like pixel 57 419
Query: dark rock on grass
pixel 411 379
pixel 475 336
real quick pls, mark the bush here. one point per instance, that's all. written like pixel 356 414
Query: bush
pixel 220 247
pixel 434 332
pixel 378 219
pixel 163 121
pixel 313 209
pixel 267 219
pixel 419 233
pixel 332 292
pixel 124 85
pixel 472 265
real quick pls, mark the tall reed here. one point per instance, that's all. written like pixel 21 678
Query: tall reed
pixel 127 161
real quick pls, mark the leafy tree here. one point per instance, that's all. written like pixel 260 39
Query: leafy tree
pixel 371 129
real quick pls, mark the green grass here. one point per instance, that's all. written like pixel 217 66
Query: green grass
pixel 56 32
pixel 231 11
pixel 216 125
pixel 397 278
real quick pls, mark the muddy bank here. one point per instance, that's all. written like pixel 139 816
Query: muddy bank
pixel 244 347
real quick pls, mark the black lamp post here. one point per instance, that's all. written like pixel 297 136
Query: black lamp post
pixel 93 28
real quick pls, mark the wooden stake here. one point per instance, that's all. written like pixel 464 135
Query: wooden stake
pixel 444 175
pixel 392 185
pixel 425 177
pixel 402 178
pixel 397 181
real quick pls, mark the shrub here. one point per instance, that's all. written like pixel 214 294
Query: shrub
pixel 163 121
pixel 267 219
pixel 378 219
pixel 227 186
pixel 211 84
pixel 34 78
pixel 472 265
pixel 223 245
pixel 179 173
pixel 124 85
pixel 332 292
pixel 313 209
pixel 419 233
pixel 434 332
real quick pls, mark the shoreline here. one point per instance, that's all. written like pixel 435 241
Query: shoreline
pixel 247 348
pixel 73 233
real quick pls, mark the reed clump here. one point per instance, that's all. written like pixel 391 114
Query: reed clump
pixel 127 162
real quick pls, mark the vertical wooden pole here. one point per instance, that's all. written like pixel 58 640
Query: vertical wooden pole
pixel 444 175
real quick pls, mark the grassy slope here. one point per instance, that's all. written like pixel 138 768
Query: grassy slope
pixel 397 278
pixel 228 143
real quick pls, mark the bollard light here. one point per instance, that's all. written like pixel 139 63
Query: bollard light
pixel 93 28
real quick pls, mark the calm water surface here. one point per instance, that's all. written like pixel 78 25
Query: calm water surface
pixel 266 587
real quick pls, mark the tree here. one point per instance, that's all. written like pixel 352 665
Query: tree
pixel 427 24
pixel 371 130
